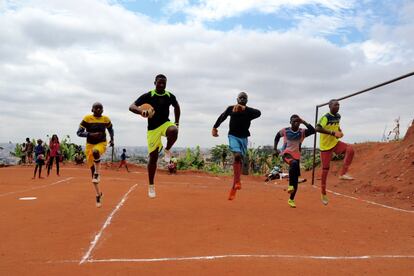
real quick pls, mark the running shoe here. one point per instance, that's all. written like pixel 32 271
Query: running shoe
pixel 151 191
pixel 96 178
pixel 99 200
pixel 291 203
pixel 290 189
pixel 232 194
pixel 167 155
pixel 346 177
pixel 324 199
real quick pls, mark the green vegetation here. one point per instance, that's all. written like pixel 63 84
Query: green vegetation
pixel 191 160
pixel 69 149
pixel 220 153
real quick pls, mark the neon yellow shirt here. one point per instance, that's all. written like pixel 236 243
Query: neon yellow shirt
pixel 329 122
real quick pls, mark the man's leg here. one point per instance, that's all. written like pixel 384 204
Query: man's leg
pixel 237 166
pixel 92 170
pixel 326 160
pixel 97 170
pixel 171 133
pixel 50 165
pixel 341 148
pixel 57 164
pixel 294 171
pixel 35 170
pixel 152 168
pixel 40 170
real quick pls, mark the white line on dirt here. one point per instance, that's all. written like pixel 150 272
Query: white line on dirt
pixel 368 201
pixel 276 256
pixel 38 187
pixel 107 222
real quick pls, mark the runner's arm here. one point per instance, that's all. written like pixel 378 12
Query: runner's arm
pixel 254 113
pixel 82 132
pixel 134 107
pixel 320 127
pixel 177 114
pixel 276 142
pixel 310 129
pixel 111 134
pixel 223 117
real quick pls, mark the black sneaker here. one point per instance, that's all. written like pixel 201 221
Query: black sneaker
pixel 99 200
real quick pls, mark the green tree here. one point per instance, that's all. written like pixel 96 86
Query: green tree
pixel 68 149
pixel 191 160
pixel 220 154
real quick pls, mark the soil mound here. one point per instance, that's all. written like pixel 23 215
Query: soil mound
pixel 409 136
pixel 384 171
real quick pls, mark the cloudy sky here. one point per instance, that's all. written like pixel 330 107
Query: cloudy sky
pixel 58 57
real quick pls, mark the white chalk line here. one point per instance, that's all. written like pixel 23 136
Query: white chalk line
pixel 240 256
pixel 37 187
pixel 107 222
pixel 368 201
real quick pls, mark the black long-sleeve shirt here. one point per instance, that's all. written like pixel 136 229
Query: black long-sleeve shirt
pixel 239 121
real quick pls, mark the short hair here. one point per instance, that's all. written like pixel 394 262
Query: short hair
pixel 160 76
pixel 242 93
pixel 294 116
pixel 123 149
pixel 332 101
pixel 97 104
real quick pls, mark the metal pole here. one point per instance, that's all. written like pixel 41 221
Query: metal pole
pixel 112 153
pixel 314 148
pixel 372 88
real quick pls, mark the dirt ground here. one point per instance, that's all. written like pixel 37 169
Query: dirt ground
pixel 191 228
pixel 384 172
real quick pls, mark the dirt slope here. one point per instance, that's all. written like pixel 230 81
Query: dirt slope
pixel 384 171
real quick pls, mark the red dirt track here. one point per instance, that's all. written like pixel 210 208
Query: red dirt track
pixel 191 218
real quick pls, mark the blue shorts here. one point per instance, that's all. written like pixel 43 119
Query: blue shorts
pixel 238 144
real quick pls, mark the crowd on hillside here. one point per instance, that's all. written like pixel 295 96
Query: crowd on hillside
pixel 40 153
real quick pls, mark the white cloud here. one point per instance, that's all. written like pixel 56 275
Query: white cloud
pixel 59 57
pixel 211 10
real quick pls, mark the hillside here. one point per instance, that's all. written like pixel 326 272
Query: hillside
pixel 384 171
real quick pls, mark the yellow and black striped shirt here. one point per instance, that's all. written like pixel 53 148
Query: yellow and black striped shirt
pixel 96 124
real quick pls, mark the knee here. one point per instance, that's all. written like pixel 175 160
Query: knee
pixel 96 154
pixel 237 157
pixel 172 131
pixel 350 149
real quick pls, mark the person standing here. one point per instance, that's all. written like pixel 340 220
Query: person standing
pixel 240 120
pixel 29 151
pixel 54 147
pixel 330 130
pixel 39 151
pixel 159 124
pixel 23 156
